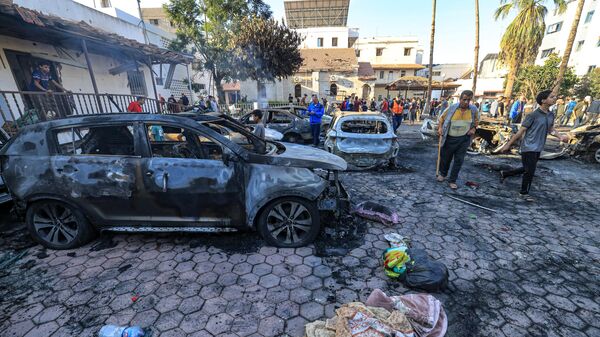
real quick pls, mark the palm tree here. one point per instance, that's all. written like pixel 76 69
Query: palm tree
pixel 570 41
pixel 431 44
pixel 523 36
pixel 476 63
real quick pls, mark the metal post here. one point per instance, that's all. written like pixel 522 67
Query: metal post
pixel 91 71
pixel 187 70
pixel 153 84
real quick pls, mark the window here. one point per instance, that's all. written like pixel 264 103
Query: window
pixel 364 126
pixel 554 28
pixel 591 68
pixel 381 74
pixel 402 73
pixel 589 16
pixel 379 52
pixel 174 142
pixel 334 41
pixel 297 90
pixel 320 42
pixel 437 73
pixel 159 80
pixel 390 76
pixel 281 117
pixel 358 53
pixel 579 45
pixel 137 83
pixel 547 52
pixel 105 3
pixel 154 21
pixel 407 51
pixel 114 140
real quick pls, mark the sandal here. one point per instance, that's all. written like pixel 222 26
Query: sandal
pixel 440 178
pixel 453 186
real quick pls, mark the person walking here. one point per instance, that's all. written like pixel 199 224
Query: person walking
pixel 413 111
pixel 213 104
pixel 357 105
pixel 568 111
pixel 303 100
pixel 516 111
pixel 534 130
pixel 580 110
pixel 290 99
pixel 315 112
pixel 456 126
pixel 496 106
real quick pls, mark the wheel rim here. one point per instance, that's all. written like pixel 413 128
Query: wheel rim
pixel 597 155
pixel 289 222
pixel 55 224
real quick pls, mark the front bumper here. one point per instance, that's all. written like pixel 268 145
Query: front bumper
pixel 334 198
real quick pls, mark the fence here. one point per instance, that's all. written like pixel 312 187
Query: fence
pixel 20 108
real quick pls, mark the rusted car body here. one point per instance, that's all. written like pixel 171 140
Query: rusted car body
pixel 113 172
pixel 364 139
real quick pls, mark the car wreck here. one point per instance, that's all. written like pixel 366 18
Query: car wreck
pixel 585 143
pixel 364 139
pixel 294 127
pixel 71 177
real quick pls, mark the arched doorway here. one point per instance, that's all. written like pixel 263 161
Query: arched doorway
pixel 366 91
pixel 297 90
pixel 333 90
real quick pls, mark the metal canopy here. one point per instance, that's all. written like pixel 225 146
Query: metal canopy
pixel 316 13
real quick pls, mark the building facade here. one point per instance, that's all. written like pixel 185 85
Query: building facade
pixel 585 55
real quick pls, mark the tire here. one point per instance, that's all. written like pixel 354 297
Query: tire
pixel 278 226
pixel 57 225
pixel 293 138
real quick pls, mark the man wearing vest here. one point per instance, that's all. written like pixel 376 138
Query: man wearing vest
pixel 397 110
pixel 456 126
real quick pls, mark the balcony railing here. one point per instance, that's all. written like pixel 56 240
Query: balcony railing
pixel 20 108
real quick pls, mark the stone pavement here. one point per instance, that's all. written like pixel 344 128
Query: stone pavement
pixel 526 270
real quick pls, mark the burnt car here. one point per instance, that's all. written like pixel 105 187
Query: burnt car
pixel 364 139
pixel 302 112
pixel 4 195
pixel 585 143
pixel 74 176
pixel 295 128
pixel 227 124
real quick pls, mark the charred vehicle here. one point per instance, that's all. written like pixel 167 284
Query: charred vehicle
pixel 295 128
pixel 225 126
pixel 585 143
pixel 4 195
pixel 302 112
pixel 364 139
pixel 73 176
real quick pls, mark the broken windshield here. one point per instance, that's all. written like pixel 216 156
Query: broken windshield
pixel 364 126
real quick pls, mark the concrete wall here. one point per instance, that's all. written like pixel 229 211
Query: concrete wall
pixel 589 54
pixel 393 50
pixel 311 36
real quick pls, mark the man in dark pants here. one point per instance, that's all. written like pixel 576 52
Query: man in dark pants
pixel 315 111
pixel 456 126
pixel 534 129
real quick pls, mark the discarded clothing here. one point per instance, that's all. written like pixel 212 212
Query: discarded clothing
pixel 357 320
pixel 394 261
pixel 376 212
pixel 424 312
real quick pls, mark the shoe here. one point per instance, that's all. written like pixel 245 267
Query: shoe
pixel 440 179
pixel 453 186
pixel 526 197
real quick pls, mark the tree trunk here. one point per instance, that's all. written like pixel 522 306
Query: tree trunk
pixel 431 45
pixel 510 79
pixel 219 86
pixel 567 54
pixel 476 62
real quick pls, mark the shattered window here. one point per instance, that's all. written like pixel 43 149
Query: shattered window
pixel 111 140
pixel 175 142
pixel 364 126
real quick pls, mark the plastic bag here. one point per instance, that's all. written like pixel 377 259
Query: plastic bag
pixel 423 273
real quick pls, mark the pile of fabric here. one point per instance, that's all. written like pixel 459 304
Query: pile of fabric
pixel 415 315
pixel 376 212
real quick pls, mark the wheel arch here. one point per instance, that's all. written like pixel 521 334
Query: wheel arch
pixel 262 204
pixel 23 205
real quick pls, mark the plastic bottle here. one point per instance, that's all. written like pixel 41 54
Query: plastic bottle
pixel 121 331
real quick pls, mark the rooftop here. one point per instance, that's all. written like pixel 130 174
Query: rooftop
pixel 328 59
pixel 316 13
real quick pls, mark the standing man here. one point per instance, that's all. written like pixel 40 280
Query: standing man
pixel 397 110
pixel 303 100
pixel 315 111
pixel 516 111
pixel 136 106
pixel 496 106
pixel 213 104
pixel 534 129
pixel 290 99
pixel 385 107
pixel 568 111
pixel 172 104
pixel 185 100
pixel 443 106
pixel 456 126
pixel 581 110
pixel 259 127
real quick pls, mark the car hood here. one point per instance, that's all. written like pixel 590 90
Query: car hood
pixel 308 157
pixel 271 134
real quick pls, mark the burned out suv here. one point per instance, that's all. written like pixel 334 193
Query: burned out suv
pixel 145 172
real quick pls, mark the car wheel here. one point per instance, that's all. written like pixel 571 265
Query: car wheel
pixel 57 225
pixel 289 222
pixel 597 155
pixel 292 138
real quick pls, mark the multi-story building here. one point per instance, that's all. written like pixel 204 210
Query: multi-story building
pixel 585 55
pixel 157 17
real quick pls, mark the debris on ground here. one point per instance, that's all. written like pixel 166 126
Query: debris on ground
pixel 424 273
pixel 472 184
pixel 9 258
pixel 340 236
pixel 376 212
pixel 121 331
pixel 470 203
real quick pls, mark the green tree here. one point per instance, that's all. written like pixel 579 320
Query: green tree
pixel 523 36
pixel 532 79
pixel 589 85
pixel 210 26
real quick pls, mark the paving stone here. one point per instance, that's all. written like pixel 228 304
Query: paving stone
pixel 168 321
pixel 191 304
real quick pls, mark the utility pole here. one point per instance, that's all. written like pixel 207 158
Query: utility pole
pixel 146 40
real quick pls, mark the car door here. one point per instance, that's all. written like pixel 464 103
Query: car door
pixel 187 179
pixel 99 166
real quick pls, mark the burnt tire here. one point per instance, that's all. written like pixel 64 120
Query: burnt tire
pixel 289 222
pixel 58 225
pixel 293 138
pixel 596 155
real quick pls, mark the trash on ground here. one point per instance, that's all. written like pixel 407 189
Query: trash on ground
pixel 7 259
pixel 397 240
pixel 121 331
pixel 472 184
pixel 424 273
pixel 376 212
pixel 394 262
pixel 424 312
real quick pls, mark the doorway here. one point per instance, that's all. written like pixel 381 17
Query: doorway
pixel 366 91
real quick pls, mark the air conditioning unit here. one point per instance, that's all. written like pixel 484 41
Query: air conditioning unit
pixel 333 78
pixel 297 79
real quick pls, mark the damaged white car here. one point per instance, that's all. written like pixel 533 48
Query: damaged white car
pixel 364 139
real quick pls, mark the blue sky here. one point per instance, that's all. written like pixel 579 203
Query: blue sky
pixel 455 28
